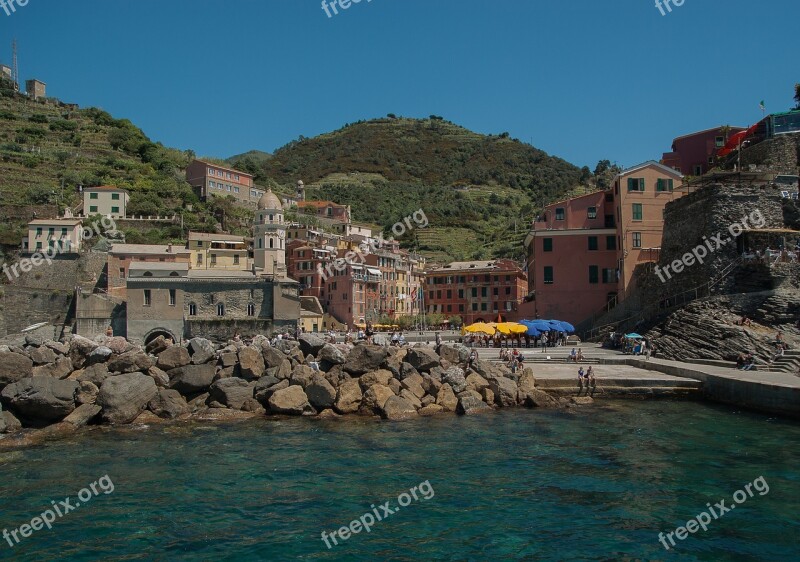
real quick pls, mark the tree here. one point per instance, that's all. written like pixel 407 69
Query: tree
pixel 797 95
pixel 456 321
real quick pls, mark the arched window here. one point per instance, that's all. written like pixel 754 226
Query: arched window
pixel 192 309
pixel 259 243
pixel 174 274
pixel 271 243
pixel 251 309
pixel 147 274
pixel 220 309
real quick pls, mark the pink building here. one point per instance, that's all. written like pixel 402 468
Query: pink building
pixel 695 154
pixel 209 179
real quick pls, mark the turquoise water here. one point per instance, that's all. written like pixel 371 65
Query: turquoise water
pixel 597 484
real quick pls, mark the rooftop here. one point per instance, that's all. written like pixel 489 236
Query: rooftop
pixel 70 222
pixel 147 249
pixel 213 165
pixel 651 163
pixel 108 188
pixel 207 236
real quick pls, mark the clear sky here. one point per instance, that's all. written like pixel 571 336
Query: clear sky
pixel 580 79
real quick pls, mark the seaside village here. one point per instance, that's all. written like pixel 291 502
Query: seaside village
pixel 583 256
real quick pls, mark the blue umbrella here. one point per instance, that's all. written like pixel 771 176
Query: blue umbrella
pixel 634 336
pixel 569 327
pixel 541 325
pixel 532 331
pixel 556 325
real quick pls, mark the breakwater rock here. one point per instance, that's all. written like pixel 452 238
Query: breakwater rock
pixel 64 385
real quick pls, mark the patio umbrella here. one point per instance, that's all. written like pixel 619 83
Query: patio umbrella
pixel 634 336
pixel 541 325
pixel 556 325
pixel 480 328
pixel 569 327
pixel 532 330
pixel 509 328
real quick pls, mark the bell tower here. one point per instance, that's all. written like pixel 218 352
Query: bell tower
pixel 269 237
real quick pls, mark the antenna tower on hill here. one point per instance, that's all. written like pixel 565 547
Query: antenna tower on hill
pixel 14 66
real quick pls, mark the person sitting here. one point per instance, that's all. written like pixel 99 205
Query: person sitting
pixel 401 340
pixel 573 356
pixel 749 363
pixel 591 382
pixel 580 380
pixel 395 339
pixel 745 321
pixel 473 356
pixel 579 357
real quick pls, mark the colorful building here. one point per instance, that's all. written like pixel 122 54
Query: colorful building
pixel 696 153
pixel 218 251
pixel 209 179
pixel 122 256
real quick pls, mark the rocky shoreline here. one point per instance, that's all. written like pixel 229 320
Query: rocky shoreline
pixel 54 388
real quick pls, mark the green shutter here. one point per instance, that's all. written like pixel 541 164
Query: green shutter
pixel 630 184
pixel 670 185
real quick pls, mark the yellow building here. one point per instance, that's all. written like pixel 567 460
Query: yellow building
pixel 218 252
pixel 311 315
pixel 62 235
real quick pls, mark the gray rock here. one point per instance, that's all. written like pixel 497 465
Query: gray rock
pixel 42 355
pixel 457 354
pixel 232 392
pixel 505 392
pixel 364 358
pixel 9 423
pixel 446 398
pixel 251 363
pixel 87 393
pixel 332 355
pixel 160 377
pixel 61 369
pixel 41 399
pixel 398 409
pixel 407 370
pixel 124 397
pixel 228 359
pixel 168 404
pixel 130 362
pixel 469 405
pixel 272 357
pixel 423 359
pixel 311 344
pixel 58 347
pixel 79 350
pixel 202 350
pixel 348 397
pixel 320 392
pixel 262 392
pixel 95 374
pixel 302 375
pixel 380 340
pixel 14 367
pixel 173 358
pixel 454 376
pixel 99 354
pixel 191 379
pixel 291 401
pixel 83 414
pixel 157 346
pixel 33 341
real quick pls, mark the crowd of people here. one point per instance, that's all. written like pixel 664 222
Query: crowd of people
pixel 545 340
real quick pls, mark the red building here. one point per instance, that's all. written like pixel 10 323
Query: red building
pixel 476 291
pixel 695 154
pixel 209 179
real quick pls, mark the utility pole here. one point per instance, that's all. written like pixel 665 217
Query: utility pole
pixel 14 66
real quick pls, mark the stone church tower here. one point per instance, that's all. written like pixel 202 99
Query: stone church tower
pixel 269 237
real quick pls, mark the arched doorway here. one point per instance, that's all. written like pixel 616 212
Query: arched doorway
pixel 153 334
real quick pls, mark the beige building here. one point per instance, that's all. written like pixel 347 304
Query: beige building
pixel 269 233
pixel 105 200
pixel 218 251
pixel 63 235
pixel 122 256
pixel 36 89
pixel 312 317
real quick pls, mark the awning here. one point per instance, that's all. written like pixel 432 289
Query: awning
pixel 372 271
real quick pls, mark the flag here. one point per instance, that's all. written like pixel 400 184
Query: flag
pixel 762 106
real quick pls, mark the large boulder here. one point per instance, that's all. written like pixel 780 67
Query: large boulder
pixel 99 354
pixel 476 382
pixel 83 414
pixel 331 354
pixel 61 369
pixel 251 363
pixel 423 359
pixel 375 398
pixel 540 399
pixel 454 376
pixel 365 358
pixel 191 379
pixel 446 398
pixel 430 385
pixel 158 345
pixel 311 344
pixel 201 349
pixel 265 388
pixel 281 372
pixel 79 350
pixel 9 422
pixel 41 399
pixel 173 358
pixel 130 362
pixel 348 397
pixel 398 409
pixel 381 376
pixel 272 357
pixel 430 410
pixel 231 392
pixel 118 345
pixel 526 382
pixel 96 374
pixel 411 398
pixel 320 392
pixel 414 385
pixel 124 397
pixel 43 355
pixel 469 404
pixel 455 353
pixel 14 367
pixel 87 393
pixel 291 401
pixel 505 391
pixel 161 378
pixel 302 375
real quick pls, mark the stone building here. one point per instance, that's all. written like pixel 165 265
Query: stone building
pixel 269 233
pixel 36 89
pixel 218 251
pixel 122 256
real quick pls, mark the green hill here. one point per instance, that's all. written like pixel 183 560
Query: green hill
pixel 478 191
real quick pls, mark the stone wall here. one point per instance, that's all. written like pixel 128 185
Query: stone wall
pixel 780 155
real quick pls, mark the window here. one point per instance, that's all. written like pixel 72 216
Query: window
pixel 115 210
pixel 592 213
pixel 611 242
pixel 38 245
pixel 199 259
pixel 93 208
pixel 147 297
pixel 251 309
pixel 236 260
pixel 610 222
pixel 664 185
pixel 508 290
pixel 561 213
pixel 474 307
pixel 484 292
pixel 548 275
pixel 122 273
pixel 172 297
pixel 211 171
pixel 50 232
pixel 483 307
pixel 93 196
pixel 496 291
pixel 449 294
pixel 38 231
pixel 637 239
pixel 719 142
pixel 212 184
pixel 213 259
pixel 698 170
pixel 636 184
pixel 474 292
pixel 192 309
pixel 220 309
pixel 609 276
pixel 594 275
pixel 461 308
pixel 219 173
pixel 547 244
pixel 592 243
pixel 637 211
pixel 236 190
pixel 115 196
pixel 461 293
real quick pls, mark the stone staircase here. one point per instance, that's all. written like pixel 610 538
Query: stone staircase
pixel 788 363
pixel 622 387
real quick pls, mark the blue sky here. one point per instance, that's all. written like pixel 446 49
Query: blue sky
pixel 580 79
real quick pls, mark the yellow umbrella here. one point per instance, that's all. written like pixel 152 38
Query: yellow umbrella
pixel 509 328
pixel 480 327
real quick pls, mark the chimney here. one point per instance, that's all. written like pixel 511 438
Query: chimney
pixel 169 248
